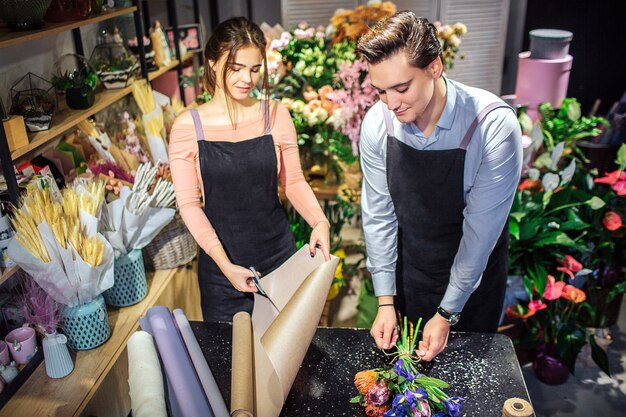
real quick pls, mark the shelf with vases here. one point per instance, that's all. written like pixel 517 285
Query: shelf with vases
pixel 12 38
pixel 65 118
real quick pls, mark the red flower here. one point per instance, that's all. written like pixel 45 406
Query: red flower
pixel 573 294
pixel 612 221
pixel 620 187
pixel 570 265
pixel 536 305
pixel 528 183
pixel 554 289
pixel 612 177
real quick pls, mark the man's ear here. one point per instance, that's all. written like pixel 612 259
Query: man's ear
pixel 436 67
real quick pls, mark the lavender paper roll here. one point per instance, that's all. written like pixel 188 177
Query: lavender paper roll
pixel 179 369
pixel 205 375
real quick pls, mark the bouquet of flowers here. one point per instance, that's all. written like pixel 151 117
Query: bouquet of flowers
pixel 133 220
pixel 400 389
pixel 450 39
pixel 352 24
pixel 58 244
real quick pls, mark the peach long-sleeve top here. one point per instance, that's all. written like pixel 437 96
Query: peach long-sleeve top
pixel 187 179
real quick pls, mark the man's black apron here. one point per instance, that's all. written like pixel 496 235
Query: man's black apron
pixel 426 188
pixel 241 201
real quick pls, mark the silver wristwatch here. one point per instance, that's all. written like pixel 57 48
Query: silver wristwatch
pixel 452 318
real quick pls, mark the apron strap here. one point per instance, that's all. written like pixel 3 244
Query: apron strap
pixel 266 115
pixel 196 121
pixel 479 118
pixel 388 121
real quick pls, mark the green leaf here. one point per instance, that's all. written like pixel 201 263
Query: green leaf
pixel 518 215
pixel 595 203
pixel 539 276
pixel 529 285
pixel 555 238
pixel 621 156
pixel 514 229
pixel 570 340
pixel 574 225
pixel 573 111
pixel 357 399
pixel 599 355
pixel 616 290
pixel 431 382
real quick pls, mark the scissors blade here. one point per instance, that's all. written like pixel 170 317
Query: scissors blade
pixel 257 283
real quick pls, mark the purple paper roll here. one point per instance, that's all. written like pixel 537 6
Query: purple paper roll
pixel 211 390
pixel 184 384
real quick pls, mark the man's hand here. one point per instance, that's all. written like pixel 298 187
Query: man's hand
pixel 435 338
pixel 384 328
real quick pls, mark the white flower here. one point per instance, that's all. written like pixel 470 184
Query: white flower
pixel 298 106
pixel 454 41
pixel 550 181
pixel 319 115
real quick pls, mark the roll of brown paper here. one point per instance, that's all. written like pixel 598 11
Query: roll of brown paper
pixel 516 407
pixel 242 380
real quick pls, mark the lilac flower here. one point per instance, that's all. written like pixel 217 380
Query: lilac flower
pixel 378 394
pixel 453 405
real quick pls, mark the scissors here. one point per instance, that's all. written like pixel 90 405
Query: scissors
pixel 257 283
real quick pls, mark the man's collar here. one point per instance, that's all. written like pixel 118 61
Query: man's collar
pixel 447 116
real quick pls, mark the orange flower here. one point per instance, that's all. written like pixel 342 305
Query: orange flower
pixel 364 380
pixel 573 294
pixel 376 410
pixel 528 183
pixel 323 92
pixel 310 94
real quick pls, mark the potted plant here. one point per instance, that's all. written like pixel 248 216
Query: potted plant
pixel 77 79
pixel 556 319
pixel 114 64
pixel 33 97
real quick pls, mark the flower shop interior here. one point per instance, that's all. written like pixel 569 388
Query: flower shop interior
pixel 100 306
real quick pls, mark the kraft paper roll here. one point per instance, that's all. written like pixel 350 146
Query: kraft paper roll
pixel 299 288
pixel 242 378
pixel 517 407
pixel 147 397
pixel 212 392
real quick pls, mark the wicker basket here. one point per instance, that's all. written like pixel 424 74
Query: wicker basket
pixel 172 247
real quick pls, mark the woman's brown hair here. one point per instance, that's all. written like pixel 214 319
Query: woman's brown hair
pixel 228 37
pixel 403 31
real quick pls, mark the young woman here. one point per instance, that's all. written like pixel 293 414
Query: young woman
pixel 233 150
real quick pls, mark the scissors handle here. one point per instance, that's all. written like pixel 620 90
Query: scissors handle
pixel 256 280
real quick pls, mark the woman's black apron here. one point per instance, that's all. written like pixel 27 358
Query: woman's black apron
pixel 426 188
pixel 241 201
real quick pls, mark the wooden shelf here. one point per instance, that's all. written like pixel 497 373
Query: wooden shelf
pixel 11 38
pixel 173 64
pixel 64 119
pixel 8 273
pixel 43 396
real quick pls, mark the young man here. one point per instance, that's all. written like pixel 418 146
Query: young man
pixel 441 162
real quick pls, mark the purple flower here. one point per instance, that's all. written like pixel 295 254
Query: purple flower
pixel 453 405
pixel 378 394
pixel 398 367
pixel 411 399
pixel 396 411
pixel 439 414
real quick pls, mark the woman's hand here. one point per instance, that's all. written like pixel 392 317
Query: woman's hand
pixel 239 277
pixel 320 237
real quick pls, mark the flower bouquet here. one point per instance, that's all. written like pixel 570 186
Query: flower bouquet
pixel 450 39
pixel 57 242
pixel 400 389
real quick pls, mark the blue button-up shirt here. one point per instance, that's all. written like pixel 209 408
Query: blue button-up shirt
pixel 492 170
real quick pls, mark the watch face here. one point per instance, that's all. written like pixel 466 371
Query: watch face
pixel 454 318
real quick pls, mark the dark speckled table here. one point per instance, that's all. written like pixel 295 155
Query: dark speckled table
pixel 480 367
